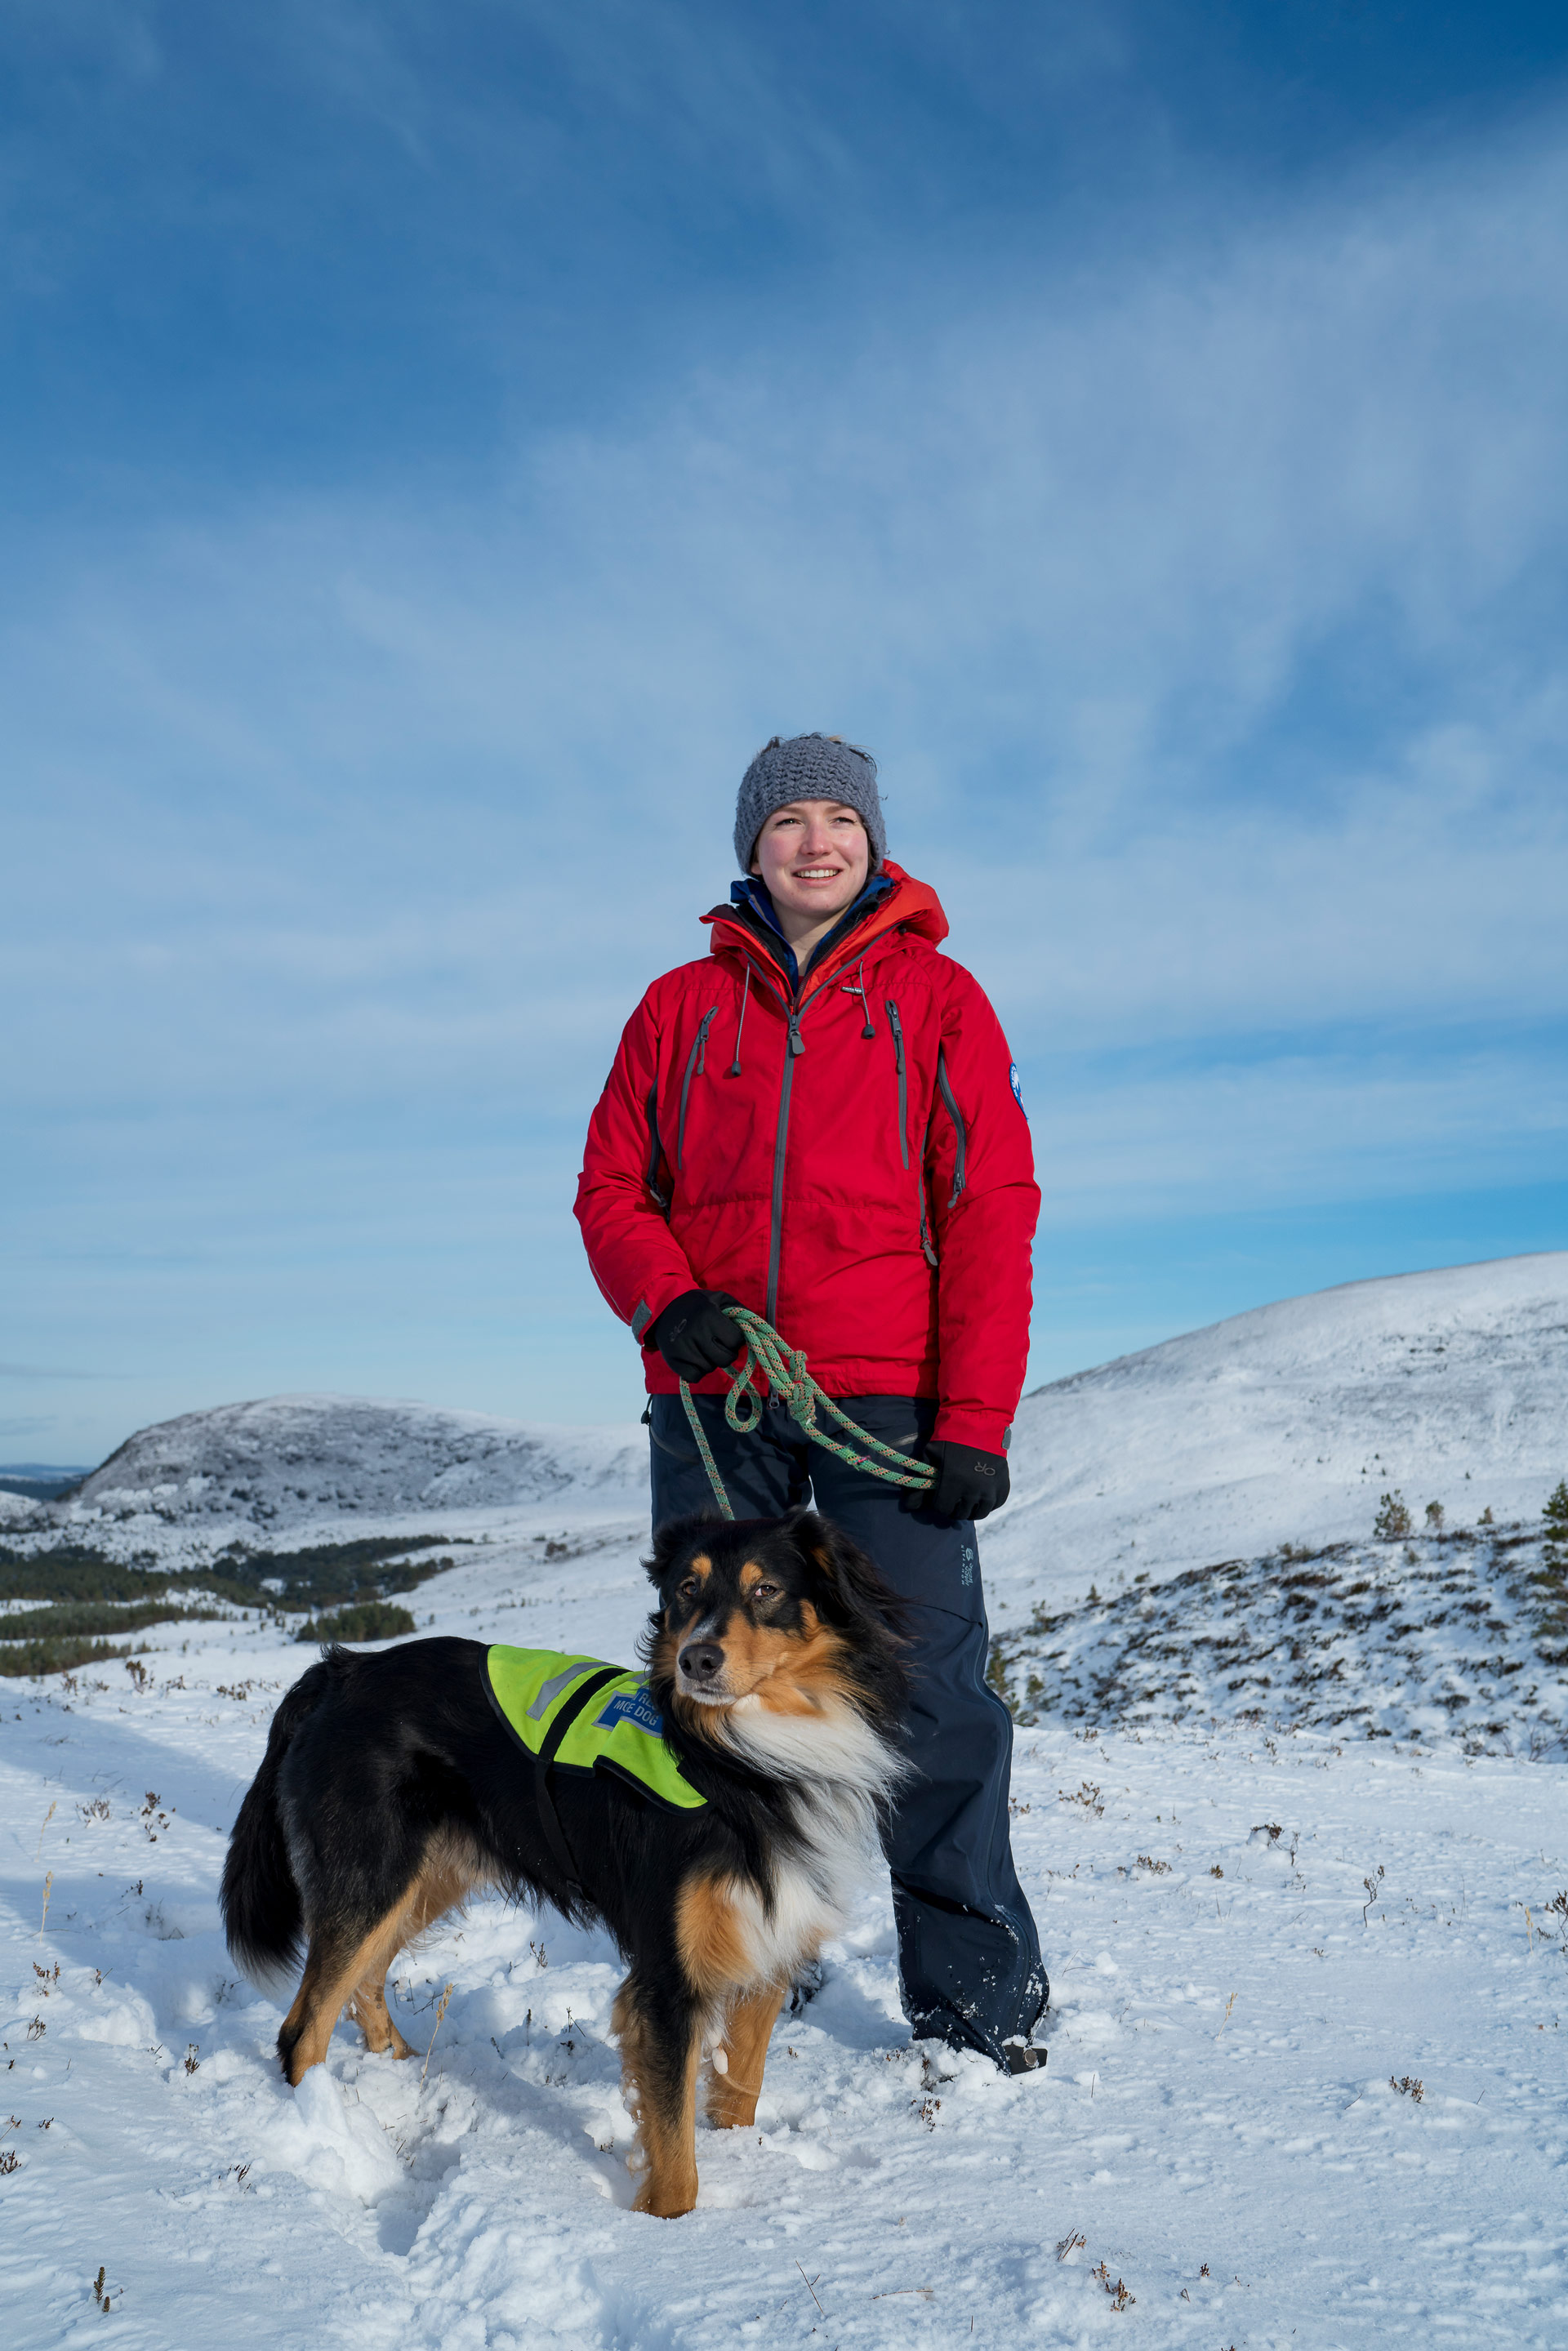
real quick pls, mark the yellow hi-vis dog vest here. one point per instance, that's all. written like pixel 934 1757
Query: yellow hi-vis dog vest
pixel 578 1714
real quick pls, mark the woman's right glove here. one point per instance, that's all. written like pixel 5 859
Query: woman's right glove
pixel 696 1336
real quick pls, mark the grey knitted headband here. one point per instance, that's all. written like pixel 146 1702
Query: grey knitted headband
pixel 808 767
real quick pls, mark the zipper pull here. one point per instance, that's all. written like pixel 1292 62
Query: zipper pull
pixel 797 1042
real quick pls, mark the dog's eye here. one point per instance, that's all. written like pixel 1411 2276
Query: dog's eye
pixel 686 1587
pixel 766 1591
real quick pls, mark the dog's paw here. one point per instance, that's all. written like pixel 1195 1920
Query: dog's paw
pixel 806 1986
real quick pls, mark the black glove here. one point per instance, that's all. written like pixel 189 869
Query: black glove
pixel 696 1336
pixel 969 1484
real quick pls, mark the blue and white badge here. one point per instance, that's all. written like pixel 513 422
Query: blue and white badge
pixel 636 1708
pixel 1013 1081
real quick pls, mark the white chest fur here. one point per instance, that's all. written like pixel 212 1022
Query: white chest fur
pixel 838 1768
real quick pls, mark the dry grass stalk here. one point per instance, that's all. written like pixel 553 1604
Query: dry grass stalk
pixel 1119 2298
pixel 439 2014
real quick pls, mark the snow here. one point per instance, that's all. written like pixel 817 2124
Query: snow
pixel 1259 1921
pixel 1286 1425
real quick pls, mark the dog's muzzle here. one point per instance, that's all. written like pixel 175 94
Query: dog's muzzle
pixel 701 1666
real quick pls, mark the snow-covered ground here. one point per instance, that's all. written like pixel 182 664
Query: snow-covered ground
pixel 1266 1930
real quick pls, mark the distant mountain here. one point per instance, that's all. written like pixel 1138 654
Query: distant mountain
pixel 289 1463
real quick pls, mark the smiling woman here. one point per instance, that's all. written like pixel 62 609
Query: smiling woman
pixel 812 854
pixel 858 1171
pixel 812 859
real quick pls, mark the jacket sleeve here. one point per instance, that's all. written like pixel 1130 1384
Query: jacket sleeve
pixel 984 1203
pixel 635 1259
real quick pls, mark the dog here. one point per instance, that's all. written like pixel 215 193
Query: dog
pixel 716 1816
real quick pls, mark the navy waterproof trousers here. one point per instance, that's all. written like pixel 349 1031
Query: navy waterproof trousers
pixel 969 1963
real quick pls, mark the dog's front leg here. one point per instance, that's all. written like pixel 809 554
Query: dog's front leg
pixel 733 2093
pixel 659 2036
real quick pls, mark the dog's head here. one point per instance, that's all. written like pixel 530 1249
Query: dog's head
pixel 787 1614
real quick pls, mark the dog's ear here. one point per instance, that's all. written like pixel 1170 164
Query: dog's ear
pixel 675 1536
pixel 850 1585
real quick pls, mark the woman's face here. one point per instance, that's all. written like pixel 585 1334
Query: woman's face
pixel 812 857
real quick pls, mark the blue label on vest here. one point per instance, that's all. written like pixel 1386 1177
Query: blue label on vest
pixel 634 1706
pixel 1013 1081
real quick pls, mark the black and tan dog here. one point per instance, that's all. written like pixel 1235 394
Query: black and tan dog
pixel 392 1787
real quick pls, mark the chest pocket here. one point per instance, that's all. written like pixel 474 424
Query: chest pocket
pixel 950 1104
pixel 895 1030
pixel 960 1135
pixel 697 1063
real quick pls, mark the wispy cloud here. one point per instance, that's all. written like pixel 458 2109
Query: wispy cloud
pixel 1226 596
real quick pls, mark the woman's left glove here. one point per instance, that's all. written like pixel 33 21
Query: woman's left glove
pixel 969 1484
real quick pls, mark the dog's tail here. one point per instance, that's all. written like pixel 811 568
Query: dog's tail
pixel 263 1914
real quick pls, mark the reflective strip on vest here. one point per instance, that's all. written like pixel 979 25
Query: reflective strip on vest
pixel 620 1730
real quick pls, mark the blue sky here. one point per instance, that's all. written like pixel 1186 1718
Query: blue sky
pixel 437 445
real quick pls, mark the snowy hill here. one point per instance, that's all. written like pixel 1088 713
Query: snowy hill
pixel 292 1465
pixel 1285 1425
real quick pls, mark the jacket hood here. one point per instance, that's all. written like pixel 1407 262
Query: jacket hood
pixel 909 906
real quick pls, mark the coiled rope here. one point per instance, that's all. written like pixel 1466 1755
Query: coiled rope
pixel 784 1369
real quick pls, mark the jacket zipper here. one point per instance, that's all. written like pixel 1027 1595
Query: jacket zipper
pixel 656 1149
pixel 794 1048
pixel 955 1114
pixel 897 1025
pixel 782 1133
pixel 696 1060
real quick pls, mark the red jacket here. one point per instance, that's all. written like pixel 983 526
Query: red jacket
pixel 856 1167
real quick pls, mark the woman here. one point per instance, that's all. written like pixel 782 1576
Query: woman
pixel 821 1120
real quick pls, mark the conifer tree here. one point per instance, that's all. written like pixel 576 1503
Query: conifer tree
pixel 1556 1517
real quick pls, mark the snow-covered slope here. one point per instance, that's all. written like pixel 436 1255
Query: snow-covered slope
pixel 1287 1424
pixel 1459 1635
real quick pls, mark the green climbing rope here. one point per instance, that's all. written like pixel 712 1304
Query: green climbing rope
pixel 784 1369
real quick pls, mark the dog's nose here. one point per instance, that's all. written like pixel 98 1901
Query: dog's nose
pixel 701 1661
